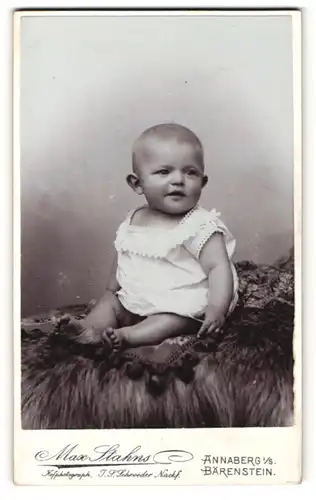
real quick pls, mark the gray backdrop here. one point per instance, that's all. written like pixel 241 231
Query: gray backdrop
pixel 90 85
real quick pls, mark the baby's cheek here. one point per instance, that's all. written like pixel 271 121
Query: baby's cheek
pixel 196 189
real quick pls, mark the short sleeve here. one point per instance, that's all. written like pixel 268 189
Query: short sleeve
pixel 207 228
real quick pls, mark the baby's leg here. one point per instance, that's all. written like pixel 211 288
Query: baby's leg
pixel 90 329
pixel 153 330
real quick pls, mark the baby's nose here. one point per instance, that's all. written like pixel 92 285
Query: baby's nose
pixel 177 177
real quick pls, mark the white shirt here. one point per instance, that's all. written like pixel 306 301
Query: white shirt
pixel 159 269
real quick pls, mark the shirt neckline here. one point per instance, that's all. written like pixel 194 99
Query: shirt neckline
pixel 156 228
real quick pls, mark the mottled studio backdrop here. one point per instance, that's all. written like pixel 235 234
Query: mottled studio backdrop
pixel 90 85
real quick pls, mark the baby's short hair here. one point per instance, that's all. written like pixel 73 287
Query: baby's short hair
pixel 167 131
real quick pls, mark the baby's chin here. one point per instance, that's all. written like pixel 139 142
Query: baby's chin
pixel 177 208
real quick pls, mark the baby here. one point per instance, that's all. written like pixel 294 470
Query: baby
pixel 173 273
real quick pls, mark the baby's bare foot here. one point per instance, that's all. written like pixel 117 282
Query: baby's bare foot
pixel 68 324
pixel 113 338
pixel 71 326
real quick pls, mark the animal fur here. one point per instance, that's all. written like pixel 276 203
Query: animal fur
pixel 243 379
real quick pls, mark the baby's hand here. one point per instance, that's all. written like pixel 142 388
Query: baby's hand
pixel 213 321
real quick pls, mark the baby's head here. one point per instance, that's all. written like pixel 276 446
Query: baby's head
pixel 168 168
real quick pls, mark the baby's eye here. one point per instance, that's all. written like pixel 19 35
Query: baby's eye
pixel 192 172
pixel 163 171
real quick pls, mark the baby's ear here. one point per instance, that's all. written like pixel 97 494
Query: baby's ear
pixel 204 180
pixel 134 182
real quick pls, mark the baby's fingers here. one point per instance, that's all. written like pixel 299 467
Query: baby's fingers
pixel 203 331
pixel 213 328
pixel 218 326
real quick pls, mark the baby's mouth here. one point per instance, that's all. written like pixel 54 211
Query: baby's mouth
pixel 177 193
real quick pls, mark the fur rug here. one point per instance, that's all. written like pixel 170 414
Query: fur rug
pixel 243 377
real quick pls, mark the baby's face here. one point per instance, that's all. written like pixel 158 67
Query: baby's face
pixel 171 175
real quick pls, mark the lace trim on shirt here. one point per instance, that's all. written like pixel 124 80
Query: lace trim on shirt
pixel 215 229
pixel 158 242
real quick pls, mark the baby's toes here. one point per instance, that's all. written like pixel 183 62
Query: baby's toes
pixel 68 324
pixel 59 322
pixel 112 339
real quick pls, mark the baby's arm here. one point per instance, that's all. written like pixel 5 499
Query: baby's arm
pixel 216 265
